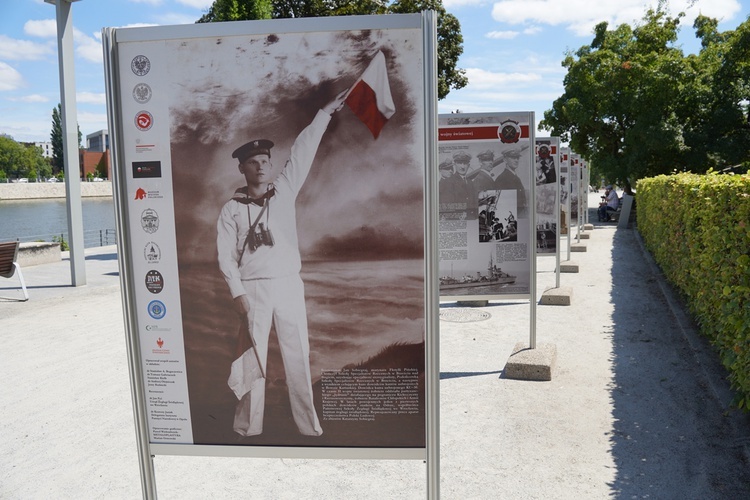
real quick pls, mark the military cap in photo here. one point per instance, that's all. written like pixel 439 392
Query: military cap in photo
pixel 461 157
pixel 252 148
pixel 445 165
pixel 486 155
pixel 512 153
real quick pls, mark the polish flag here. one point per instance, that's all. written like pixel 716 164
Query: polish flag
pixel 370 98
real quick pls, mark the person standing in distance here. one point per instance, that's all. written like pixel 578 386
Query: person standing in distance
pixel 258 255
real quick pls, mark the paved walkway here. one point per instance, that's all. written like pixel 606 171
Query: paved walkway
pixel 637 408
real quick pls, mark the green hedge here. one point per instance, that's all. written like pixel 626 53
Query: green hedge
pixel 697 227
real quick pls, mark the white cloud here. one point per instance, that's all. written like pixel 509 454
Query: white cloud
pixel 174 18
pixel 10 79
pixel 90 98
pixel 23 50
pixel 46 28
pixel 197 4
pixel 449 4
pixel 91 122
pixel 580 16
pixel 482 79
pixel 34 98
pixel 150 2
pixel 502 35
pixel 87 47
pixel 533 30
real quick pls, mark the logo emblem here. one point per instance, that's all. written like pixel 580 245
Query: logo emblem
pixel 154 281
pixel 156 309
pixel 142 93
pixel 140 65
pixel 140 194
pixel 150 221
pixel 160 342
pixel 152 253
pixel 144 120
pixel 509 132
pixel 146 169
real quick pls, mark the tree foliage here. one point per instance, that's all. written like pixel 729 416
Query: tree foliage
pixel 56 138
pixel 17 160
pixel 450 40
pixel 635 106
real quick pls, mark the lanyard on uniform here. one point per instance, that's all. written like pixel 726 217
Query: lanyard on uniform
pixel 251 231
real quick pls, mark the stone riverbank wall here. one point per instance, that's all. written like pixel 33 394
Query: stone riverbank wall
pixel 41 190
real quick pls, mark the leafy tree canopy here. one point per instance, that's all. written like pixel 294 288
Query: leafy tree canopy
pixel 635 106
pixel 450 40
pixel 18 160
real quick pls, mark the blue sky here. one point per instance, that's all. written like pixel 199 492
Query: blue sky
pixel 512 50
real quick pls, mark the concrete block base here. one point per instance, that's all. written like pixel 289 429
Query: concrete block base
pixel 588 227
pixel 531 364
pixel 568 266
pixel 585 236
pixel 578 247
pixel 557 296
pixel 35 253
pixel 472 303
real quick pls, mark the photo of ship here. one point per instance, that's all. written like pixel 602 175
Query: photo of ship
pixel 495 276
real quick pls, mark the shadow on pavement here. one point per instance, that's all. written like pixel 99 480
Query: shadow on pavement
pixel 671 434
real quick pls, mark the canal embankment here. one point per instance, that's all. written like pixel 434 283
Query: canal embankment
pixel 44 190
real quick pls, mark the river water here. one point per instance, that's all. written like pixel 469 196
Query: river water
pixel 35 220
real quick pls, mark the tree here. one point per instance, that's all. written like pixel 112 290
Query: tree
pixel 56 138
pixel 720 126
pixel 623 97
pixel 17 160
pixel 450 41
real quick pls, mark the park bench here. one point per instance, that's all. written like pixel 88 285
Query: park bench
pixel 622 214
pixel 9 266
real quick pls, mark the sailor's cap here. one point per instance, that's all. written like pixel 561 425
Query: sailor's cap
pixel 252 148
pixel 445 165
pixel 461 157
pixel 486 155
pixel 512 153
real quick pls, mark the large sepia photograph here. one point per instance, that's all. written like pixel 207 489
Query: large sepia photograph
pixel 298 174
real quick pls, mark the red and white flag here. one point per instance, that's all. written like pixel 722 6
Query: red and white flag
pixel 370 98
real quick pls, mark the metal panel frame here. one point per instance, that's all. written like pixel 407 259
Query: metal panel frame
pixel 427 22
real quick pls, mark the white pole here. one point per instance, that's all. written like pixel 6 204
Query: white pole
pixel 69 120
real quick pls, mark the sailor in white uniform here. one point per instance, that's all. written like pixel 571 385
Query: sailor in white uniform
pixel 258 255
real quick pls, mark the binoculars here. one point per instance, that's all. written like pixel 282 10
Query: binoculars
pixel 260 237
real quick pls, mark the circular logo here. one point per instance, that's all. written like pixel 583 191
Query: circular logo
pixel 509 132
pixel 150 221
pixel 144 120
pixel 156 309
pixel 140 65
pixel 154 281
pixel 152 253
pixel 142 93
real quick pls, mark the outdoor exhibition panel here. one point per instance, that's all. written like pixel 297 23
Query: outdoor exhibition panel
pixel 547 181
pixel 487 202
pixel 334 119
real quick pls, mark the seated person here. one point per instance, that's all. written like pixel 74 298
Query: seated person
pixel 609 203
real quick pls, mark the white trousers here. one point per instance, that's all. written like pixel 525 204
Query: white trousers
pixel 281 302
